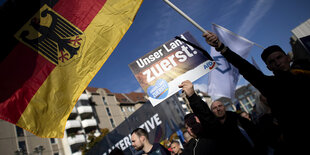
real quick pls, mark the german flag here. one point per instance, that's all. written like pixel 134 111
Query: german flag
pixel 52 50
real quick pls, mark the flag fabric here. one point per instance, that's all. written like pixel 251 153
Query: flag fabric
pixel 54 49
pixel 223 80
pixel 255 64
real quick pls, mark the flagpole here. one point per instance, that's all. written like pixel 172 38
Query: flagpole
pixel 185 16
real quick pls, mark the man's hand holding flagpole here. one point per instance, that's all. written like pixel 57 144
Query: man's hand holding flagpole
pixel 232 80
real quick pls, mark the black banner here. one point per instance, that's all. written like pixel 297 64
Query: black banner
pixel 160 122
pixel 306 42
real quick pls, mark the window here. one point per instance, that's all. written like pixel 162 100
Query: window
pixel 20 132
pixel 249 106
pixel 242 109
pixel 123 109
pixel 104 102
pixel 108 111
pixel 247 93
pixel 244 101
pixel 112 122
pixel 82 103
pixel 53 141
pixel 226 104
pixel 22 146
pixel 252 98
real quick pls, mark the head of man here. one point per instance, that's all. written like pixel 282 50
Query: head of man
pixel 276 59
pixel 192 124
pixel 139 137
pixel 175 147
pixel 245 115
pixel 218 109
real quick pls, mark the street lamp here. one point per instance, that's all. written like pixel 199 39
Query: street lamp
pixel 20 151
pixel 39 149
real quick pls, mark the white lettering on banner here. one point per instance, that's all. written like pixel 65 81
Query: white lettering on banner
pixel 179 54
pixel 148 124
pixel 145 61
pixel 185 49
pixel 124 143
pixel 173 45
pixel 167 64
pixel 157 120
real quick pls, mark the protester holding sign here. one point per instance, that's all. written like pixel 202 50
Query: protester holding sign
pixel 283 91
pixel 228 128
pixel 202 142
pixel 140 141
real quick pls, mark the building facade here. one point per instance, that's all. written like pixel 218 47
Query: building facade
pixel 96 109
pixel 17 141
pixel 300 43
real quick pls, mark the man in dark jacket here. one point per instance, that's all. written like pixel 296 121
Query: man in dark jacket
pixel 201 143
pixel 286 91
pixel 140 141
pixel 189 144
pixel 235 133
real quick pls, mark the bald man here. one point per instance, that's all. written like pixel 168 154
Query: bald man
pixel 228 127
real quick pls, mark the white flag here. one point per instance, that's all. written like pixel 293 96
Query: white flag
pixel 223 80
pixel 255 64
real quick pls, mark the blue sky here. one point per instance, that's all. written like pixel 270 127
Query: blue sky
pixel 265 22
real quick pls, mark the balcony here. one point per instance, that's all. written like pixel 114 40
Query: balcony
pixel 83 97
pixel 85 111
pixel 184 106
pixel 180 99
pixel 77 139
pixel 76 142
pixel 73 113
pixel 77 153
pixel 72 126
pixel 89 125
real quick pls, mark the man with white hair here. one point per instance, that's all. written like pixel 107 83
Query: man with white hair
pixel 176 147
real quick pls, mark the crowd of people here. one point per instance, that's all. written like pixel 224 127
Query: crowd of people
pixel 279 126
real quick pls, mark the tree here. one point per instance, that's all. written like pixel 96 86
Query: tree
pixel 93 140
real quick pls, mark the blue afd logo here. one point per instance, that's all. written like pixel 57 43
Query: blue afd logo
pixel 223 65
pixel 209 65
